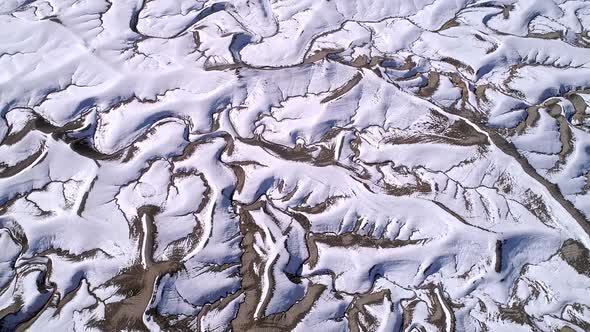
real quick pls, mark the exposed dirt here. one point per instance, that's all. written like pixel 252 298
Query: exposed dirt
pixel 498 261
pixel 546 35
pixel 515 313
pixel 343 89
pixel 359 318
pixel 576 255
pixel 351 240
pixel 138 282
pixel 319 55
pixel 531 119
pixel 251 279
pixel 432 86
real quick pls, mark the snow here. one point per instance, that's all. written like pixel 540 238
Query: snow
pixel 294 165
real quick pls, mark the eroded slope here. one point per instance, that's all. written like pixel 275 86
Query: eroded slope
pixel 336 165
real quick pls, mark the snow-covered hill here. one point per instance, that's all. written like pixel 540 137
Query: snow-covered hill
pixel 305 165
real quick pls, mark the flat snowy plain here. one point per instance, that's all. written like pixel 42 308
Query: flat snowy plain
pixel 295 165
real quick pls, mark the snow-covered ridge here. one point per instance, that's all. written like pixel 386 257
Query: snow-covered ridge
pixel 335 165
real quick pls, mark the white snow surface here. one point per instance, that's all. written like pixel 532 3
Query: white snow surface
pixel 295 165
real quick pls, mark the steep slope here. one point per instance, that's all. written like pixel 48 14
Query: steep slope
pixel 339 165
